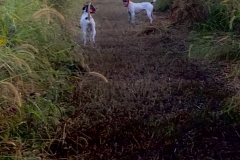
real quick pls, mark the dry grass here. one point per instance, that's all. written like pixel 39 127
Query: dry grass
pixel 46 13
pixel 188 11
pixel 99 76
pixel 8 88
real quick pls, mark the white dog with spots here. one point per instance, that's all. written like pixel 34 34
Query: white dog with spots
pixel 87 23
pixel 134 8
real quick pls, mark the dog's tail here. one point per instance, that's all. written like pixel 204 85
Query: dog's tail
pixel 89 4
pixel 153 1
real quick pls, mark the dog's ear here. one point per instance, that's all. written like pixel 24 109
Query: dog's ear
pixel 85 6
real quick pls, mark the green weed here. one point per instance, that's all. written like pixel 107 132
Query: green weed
pixel 222 46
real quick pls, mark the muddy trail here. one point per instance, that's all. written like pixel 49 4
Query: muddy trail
pixel 158 104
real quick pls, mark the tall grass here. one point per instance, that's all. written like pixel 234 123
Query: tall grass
pixel 33 45
pixel 224 15
pixel 218 36
pixel 218 39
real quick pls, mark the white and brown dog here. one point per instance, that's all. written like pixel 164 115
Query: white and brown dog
pixel 134 8
pixel 87 23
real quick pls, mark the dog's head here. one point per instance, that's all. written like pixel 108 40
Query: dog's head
pixel 92 8
pixel 126 2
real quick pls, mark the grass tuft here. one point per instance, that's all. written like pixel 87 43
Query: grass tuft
pixel 96 74
pixel 7 88
pixel 46 12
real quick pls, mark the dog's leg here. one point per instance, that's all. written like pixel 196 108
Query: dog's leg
pixel 129 17
pixel 84 34
pixel 90 33
pixel 93 37
pixel 93 34
pixel 84 37
pixel 150 16
pixel 133 17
